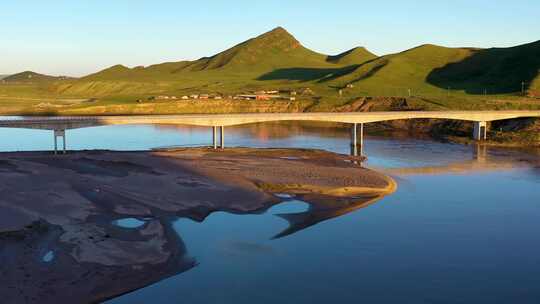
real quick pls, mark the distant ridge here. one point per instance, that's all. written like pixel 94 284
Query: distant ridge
pixel 29 76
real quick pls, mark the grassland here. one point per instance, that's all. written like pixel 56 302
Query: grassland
pixel 429 77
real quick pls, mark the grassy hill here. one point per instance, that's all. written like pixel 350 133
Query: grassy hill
pixel 267 52
pixel 395 74
pixel 497 70
pixel 435 77
pixel 272 50
pixel 32 77
pixel 273 59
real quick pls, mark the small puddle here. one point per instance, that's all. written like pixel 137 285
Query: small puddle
pixel 129 223
pixel 48 257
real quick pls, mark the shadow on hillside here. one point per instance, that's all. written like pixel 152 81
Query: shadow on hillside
pixel 336 58
pixel 308 74
pixel 491 71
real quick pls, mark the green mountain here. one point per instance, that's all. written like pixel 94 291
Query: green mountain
pixel 273 59
pixel 389 74
pixel 497 70
pixel 429 69
pixel 270 51
pixel 276 60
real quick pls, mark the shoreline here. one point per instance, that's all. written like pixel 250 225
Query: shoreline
pixel 67 204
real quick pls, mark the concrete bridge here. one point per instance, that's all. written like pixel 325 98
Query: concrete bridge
pixel 59 124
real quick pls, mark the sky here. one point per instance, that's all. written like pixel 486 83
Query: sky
pixel 75 38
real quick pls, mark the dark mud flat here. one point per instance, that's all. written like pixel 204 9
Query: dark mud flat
pixel 58 243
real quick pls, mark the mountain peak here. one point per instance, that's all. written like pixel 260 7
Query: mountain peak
pixel 278 37
pixel 280 30
pixel 258 51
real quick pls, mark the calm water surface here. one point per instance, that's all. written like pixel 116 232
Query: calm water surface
pixel 462 227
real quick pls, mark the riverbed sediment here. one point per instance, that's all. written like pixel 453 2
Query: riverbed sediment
pixel 64 206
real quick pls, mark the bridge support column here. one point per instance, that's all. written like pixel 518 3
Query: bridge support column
pixel 354 142
pixel 361 139
pixel 357 140
pixel 59 133
pixel 222 134
pixel 480 130
pixel 214 137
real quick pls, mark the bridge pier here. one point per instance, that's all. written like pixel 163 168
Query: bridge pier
pixel 480 130
pixel 222 133
pixel 59 133
pixel 357 140
pixel 215 137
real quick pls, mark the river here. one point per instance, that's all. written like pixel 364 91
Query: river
pixel 461 228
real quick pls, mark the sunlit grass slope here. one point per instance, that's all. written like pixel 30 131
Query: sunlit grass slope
pixel 434 76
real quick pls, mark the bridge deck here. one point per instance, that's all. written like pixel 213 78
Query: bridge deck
pixel 211 120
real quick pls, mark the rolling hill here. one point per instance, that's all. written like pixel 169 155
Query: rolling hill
pixel 32 77
pixel 266 53
pixel 277 60
pixel 498 70
pixel 429 69
pixel 274 59
pixel 389 74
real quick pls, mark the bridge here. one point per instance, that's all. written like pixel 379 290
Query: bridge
pixel 218 122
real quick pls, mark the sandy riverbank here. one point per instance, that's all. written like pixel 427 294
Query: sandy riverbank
pixel 66 205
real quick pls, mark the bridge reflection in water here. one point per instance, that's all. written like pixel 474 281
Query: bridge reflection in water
pixel 219 121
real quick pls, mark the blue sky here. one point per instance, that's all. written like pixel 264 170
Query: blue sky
pixel 81 37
